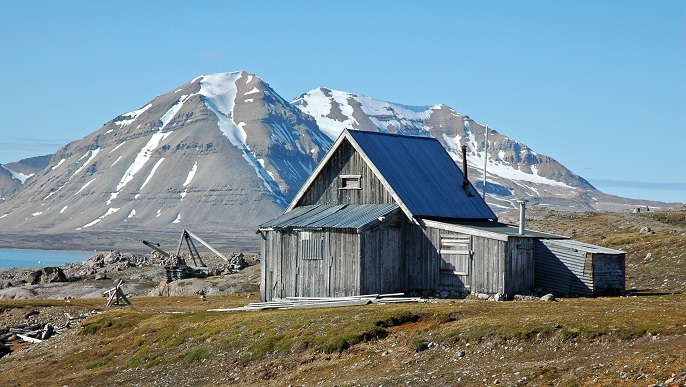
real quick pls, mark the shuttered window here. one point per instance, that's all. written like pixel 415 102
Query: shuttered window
pixel 455 254
pixel 311 246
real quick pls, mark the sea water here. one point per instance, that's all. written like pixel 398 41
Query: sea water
pixel 40 258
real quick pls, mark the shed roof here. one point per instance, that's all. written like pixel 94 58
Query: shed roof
pixel 354 216
pixel 581 246
pixel 417 171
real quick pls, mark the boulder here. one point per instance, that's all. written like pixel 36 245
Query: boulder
pixel 46 275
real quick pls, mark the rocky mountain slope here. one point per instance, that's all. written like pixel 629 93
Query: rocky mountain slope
pixel 513 169
pixel 13 175
pixel 225 152
pixel 222 150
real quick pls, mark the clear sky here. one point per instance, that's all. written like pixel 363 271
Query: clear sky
pixel 598 85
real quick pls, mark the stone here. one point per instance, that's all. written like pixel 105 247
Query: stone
pixel 483 296
pixel 499 297
pixel 646 230
pixel 46 275
pixel 548 297
pixel 462 353
pixel 623 375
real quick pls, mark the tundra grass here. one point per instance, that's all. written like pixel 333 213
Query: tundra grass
pixel 149 335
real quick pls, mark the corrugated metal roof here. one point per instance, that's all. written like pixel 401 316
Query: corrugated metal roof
pixel 581 246
pixel 503 229
pixel 422 174
pixel 357 216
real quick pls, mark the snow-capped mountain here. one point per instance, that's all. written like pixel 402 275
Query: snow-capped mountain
pixel 513 170
pixel 222 150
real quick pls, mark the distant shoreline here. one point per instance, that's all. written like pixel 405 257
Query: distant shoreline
pixel 125 240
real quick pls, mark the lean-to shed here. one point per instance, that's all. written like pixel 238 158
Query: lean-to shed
pixel 387 213
pixel 575 268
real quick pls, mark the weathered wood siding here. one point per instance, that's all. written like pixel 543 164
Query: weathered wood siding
pixel 381 262
pixel 488 265
pixel 608 273
pixel 420 250
pixel 346 161
pixel 519 268
pixel 289 270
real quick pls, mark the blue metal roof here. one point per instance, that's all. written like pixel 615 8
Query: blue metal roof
pixel 358 216
pixel 422 174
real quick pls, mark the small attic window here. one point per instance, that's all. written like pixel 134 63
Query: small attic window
pixel 350 182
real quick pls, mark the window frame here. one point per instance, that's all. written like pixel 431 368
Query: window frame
pixel 345 180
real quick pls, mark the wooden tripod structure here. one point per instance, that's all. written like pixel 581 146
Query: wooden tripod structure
pixel 187 236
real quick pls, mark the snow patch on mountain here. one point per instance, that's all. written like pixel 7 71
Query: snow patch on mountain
pixel 116 147
pixel 189 178
pixel 17 175
pixel 139 162
pixel 109 212
pixel 84 186
pixel 173 110
pixel 334 111
pixel 127 118
pixel 58 164
pixel 93 153
pixel 220 93
pixel 152 172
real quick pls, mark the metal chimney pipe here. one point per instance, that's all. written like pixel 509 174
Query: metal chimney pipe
pixel 522 215
pixel 465 181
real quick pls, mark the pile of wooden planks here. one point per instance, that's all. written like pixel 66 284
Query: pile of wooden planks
pixel 322 302
pixel 20 336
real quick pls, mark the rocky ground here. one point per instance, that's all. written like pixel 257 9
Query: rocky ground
pixel 143 274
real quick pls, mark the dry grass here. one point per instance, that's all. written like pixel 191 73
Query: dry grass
pixel 636 340
pixel 156 334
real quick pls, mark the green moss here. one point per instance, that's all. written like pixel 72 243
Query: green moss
pixel 195 355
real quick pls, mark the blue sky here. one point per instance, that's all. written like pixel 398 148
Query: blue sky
pixel 598 85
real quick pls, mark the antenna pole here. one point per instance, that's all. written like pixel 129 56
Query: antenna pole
pixel 483 193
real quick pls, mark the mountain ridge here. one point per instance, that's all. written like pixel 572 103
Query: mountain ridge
pixel 225 151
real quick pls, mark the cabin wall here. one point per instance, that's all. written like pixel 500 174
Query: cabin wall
pixel 310 263
pixel 426 265
pixel 381 263
pixel 609 273
pixel 325 189
pixel 420 251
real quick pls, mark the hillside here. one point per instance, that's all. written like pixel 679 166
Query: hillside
pixel 637 339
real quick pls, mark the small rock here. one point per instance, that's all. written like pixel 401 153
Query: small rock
pixel 646 230
pixel 548 297
pixel 483 296
pixel 623 375
pixel 499 297
pixel 462 353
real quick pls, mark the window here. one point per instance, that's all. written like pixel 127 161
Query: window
pixel 311 246
pixel 455 254
pixel 350 182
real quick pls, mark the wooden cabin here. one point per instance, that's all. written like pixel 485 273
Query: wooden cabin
pixel 386 213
